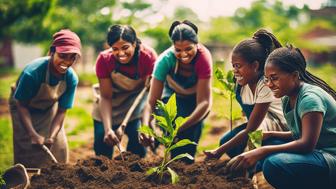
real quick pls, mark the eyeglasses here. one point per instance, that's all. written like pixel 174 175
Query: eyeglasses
pixel 273 79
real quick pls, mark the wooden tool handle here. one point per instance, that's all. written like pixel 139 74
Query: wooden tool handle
pixel 46 149
pixel 134 105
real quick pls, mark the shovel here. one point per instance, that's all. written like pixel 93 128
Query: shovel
pixel 16 177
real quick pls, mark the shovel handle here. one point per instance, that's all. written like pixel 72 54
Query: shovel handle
pixel 46 149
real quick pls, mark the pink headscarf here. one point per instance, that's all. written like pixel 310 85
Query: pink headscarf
pixel 66 41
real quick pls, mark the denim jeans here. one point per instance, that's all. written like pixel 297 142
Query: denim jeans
pixel 229 135
pixel 293 170
pixel 101 148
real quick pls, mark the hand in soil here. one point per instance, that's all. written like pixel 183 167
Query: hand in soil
pixel 37 139
pixel 211 154
pixel 111 138
pixel 146 140
pixel 245 160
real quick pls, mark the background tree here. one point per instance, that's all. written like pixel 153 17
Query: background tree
pixel 19 13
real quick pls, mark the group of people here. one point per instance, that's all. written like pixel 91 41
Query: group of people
pixel 295 110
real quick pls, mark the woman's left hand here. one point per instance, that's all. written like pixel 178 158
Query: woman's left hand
pixel 120 132
pixel 245 160
pixel 49 142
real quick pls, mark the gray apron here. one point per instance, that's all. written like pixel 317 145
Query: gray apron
pixel 42 107
pixel 125 90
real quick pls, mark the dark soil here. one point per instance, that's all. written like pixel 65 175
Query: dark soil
pixel 100 172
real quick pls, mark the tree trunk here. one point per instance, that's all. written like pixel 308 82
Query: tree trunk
pixel 6 53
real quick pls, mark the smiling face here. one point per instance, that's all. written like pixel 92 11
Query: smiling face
pixel 62 61
pixel 185 51
pixel 281 83
pixel 244 72
pixel 123 51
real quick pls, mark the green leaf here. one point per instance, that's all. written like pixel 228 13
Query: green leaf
pixel 152 170
pixel 256 138
pixel 146 130
pixel 174 176
pixel 171 107
pixel 178 123
pixel 219 74
pixel 230 76
pixel 163 140
pixel 179 157
pixel 182 143
pixel 162 122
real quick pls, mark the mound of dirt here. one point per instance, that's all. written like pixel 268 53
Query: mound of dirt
pixel 101 172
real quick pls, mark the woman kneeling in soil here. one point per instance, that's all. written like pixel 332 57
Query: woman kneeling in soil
pixel 184 69
pixel 308 160
pixel 262 109
pixel 123 72
pixel 40 99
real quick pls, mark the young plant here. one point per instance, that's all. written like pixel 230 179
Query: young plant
pixel 229 86
pixel 170 125
pixel 255 139
pixel 2 181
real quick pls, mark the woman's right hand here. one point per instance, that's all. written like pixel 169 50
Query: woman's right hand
pixel 146 140
pixel 211 154
pixel 111 138
pixel 37 139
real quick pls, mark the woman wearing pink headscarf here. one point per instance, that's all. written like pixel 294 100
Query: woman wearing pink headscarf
pixel 40 99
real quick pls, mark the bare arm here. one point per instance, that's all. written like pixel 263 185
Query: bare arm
pixel 311 128
pixel 286 135
pixel 204 103
pixel 155 93
pixel 257 116
pixel 57 123
pixel 105 106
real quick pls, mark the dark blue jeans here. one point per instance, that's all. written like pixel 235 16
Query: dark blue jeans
pixel 292 170
pixel 101 148
pixel 229 135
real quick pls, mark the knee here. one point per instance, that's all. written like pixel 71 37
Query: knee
pixel 273 169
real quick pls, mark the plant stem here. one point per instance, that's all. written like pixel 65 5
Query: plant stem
pixel 231 110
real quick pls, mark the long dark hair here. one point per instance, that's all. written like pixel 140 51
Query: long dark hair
pixel 124 32
pixel 257 48
pixel 184 30
pixel 290 59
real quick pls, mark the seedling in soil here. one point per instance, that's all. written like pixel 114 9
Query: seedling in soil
pixel 2 181
pixel 228 91
pixel 255 139
pixel 170 125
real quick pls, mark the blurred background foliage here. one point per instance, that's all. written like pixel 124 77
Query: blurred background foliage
pixel 34 21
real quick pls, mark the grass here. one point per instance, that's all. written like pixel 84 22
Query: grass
pixel 6 144
pixel 7 78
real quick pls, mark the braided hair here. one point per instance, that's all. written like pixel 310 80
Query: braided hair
pixel 257 48
pixel 184 30
pixel 290 59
